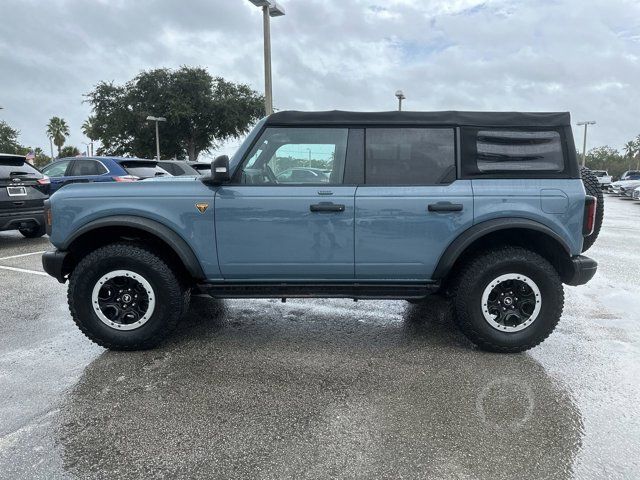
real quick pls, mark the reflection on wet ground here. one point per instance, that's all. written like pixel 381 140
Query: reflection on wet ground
pixel 261 390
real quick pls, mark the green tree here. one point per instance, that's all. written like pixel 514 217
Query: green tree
pixel 201 112
pixel 41 159
pixel 89 130
pixel 8 138
pixel 58 131
pixel 69 151
pixel 606 158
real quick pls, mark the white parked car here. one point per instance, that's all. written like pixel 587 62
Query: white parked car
pixel 625 188
pixel 604 179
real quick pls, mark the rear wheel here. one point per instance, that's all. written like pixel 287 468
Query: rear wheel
pixel 124 297
pixel 593 188
pixel 508 300
pixel 33 232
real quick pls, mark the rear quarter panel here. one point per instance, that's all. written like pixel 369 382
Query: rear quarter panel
pixel 556 203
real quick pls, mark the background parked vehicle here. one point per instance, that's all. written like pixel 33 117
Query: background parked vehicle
pixel 23 190
pixel 629 186
pixel 100 169
pixel 630 175
pixel 604 179
pixel 203 168
pixel 619 186
pixel 636 194
pixel 178 168
pixel 303 175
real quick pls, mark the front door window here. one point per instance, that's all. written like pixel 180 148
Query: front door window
pixel 297 156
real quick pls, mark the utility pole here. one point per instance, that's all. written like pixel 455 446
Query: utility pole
pixel 51 145
pixel 400 96
pixel 269 9
pixel 584 143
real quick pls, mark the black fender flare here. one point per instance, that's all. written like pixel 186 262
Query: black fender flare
pixel 476 232
pixel 164 233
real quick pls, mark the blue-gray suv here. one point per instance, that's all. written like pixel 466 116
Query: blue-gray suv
pixel 488 208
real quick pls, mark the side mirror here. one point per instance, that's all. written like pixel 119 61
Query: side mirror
pixel 219 171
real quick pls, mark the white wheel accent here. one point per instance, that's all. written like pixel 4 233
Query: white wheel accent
pixel 134 276
pixel 491 319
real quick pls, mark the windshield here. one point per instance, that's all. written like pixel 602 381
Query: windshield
pixel 633 176
pixel 246 144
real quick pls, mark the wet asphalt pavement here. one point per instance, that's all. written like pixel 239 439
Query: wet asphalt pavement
pixel 324 388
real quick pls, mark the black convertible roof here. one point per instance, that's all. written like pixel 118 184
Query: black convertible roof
pixel 477 119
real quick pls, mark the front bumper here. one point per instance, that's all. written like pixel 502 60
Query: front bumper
pixel 53 264
pixel 581 271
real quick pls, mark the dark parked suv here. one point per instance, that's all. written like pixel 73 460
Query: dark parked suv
pixel 488 208
pixel 23 190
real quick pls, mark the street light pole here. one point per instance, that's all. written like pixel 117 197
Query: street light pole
pixel 268 93
pixel 157 119
pixel 584 142
pixel 400 96
pixel 269 9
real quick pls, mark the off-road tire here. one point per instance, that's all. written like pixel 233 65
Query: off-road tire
pixel 592 186
pixel 171 296
pixel 33 232
pixel 477 274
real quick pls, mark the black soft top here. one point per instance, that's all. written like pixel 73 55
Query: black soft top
pixel 473 119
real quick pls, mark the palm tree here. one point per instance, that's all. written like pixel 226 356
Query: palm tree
pixel 89 130
pixel 630 148
pixel 58 131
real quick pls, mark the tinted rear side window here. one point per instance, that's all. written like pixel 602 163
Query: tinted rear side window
pixel 410 156
pixel 85 168
pixel 512 150
pixel 143 169
pixel 10 167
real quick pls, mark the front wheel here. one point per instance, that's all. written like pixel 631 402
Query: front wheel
pixel 508 300
pixel 124 297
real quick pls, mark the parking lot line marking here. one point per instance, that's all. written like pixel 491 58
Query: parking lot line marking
pixel 23 270
pixel 22 255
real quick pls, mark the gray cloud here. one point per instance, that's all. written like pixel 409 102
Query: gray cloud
pixel 576 55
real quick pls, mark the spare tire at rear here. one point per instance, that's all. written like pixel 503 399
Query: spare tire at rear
pixel 592 187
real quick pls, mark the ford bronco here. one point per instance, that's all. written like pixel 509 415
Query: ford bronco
pixel 488 208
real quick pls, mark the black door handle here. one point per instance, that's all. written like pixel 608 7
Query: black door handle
pixel 326 207
pixel 445 207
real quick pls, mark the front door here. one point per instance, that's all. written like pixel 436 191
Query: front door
pixel 411 206
pixel 288 214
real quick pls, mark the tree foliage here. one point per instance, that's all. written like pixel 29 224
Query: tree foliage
pixel 69 151
pixel 58 131
pixel 610 159
pixel 8 139
pixel 201 112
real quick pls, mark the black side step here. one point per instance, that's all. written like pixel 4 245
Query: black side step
pixel 319 290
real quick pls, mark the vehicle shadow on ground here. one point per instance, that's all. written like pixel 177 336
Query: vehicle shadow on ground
pixel 319 389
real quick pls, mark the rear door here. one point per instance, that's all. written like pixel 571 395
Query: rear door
pixel 268 229
pixel 411 207
pixel 86 171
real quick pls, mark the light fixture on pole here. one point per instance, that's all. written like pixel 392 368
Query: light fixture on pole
pixel 269 9
pixel 400 96
pixel 157 119
pixel 584 143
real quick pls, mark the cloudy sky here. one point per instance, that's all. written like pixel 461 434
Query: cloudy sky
pixel 534 55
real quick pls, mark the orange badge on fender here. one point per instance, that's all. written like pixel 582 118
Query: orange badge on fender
pixel 202 207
